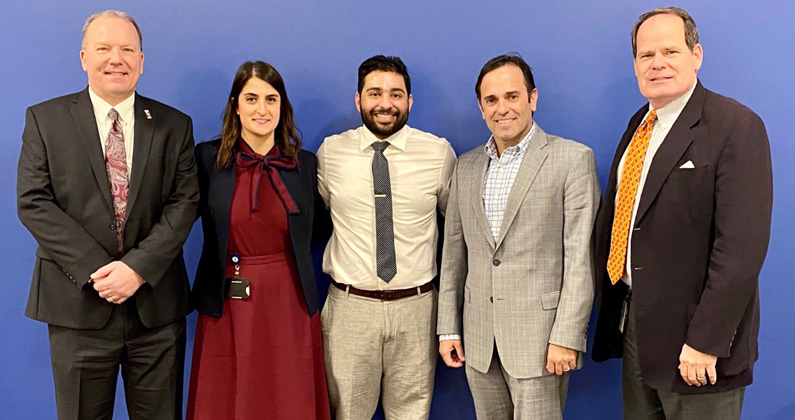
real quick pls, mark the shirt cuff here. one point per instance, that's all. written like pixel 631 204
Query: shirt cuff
pixel 443 337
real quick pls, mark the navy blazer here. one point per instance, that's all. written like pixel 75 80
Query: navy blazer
pixel 699 241
pixel 217 188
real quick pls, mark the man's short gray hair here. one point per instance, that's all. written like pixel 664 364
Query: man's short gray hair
pixel 111 14
pixel 691 32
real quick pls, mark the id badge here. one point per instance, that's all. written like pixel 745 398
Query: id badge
pixel 239 288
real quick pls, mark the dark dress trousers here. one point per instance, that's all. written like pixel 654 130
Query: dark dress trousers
pixel 217 187
pixel 64 200
pixel 698 244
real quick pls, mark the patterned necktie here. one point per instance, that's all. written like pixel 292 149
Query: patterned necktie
pixel 116 164
pixel 627 192
pixel 384 230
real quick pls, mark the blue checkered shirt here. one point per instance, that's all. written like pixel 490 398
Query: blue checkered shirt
pixel 499 179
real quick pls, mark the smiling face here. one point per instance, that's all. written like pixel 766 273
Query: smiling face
pixel 384 103
pixel 506 106
pixel 112 58
pixel 665 67
pixel 259 109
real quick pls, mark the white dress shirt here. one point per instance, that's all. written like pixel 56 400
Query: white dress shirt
pixel 666 117
pixel 420 170
pixel 126 110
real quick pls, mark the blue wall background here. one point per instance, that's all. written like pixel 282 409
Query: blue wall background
pixel 581 56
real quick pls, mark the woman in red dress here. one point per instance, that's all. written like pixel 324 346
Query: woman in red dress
pixel 258 349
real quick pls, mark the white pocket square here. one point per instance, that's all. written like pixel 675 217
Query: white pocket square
pixel 687 165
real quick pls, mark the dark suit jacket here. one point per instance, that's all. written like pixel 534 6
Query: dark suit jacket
pixel 64 200
pixel 217 187
pixel 699 241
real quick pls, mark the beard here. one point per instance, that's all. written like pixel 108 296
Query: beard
pixel 384 130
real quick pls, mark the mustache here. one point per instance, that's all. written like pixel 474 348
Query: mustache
pixel 384 111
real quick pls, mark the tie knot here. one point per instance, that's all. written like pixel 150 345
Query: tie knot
pixel 380 146
pixel 652 117
pixel 113 114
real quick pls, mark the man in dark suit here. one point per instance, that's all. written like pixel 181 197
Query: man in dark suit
pixel 107 187
pixel 681 236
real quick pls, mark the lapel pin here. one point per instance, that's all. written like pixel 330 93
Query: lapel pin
pixel 148 115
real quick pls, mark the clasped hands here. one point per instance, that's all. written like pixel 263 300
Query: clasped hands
pixel 559 359
pixel 116 282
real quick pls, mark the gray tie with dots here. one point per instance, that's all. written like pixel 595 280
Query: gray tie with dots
pixel 384 231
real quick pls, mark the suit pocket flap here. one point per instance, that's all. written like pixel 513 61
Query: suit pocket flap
pixel 550 300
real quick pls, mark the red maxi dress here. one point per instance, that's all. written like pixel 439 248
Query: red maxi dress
pixel 263 359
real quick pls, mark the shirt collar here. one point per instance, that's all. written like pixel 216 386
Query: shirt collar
pixel 513 151
pixel 101 107
pixel 668 114
pixel 397 140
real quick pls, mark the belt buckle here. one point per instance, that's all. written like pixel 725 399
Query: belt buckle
pixel 386 293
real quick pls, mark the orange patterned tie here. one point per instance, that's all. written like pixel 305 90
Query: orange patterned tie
pixel 627 191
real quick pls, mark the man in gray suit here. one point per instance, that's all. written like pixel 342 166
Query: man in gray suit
pixel 517 267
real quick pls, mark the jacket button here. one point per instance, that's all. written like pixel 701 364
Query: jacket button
pixel 112 226
pixel 491 299
pixel 496 263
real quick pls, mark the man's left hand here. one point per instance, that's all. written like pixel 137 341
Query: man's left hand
pixel 695 367
pixel 116 282
pixel 561 359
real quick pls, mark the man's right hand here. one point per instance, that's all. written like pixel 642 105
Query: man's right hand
pixel 452 352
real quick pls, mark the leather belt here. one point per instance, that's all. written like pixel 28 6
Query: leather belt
pixel 385 294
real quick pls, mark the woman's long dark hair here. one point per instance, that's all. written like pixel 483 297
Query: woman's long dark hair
pixel 286 135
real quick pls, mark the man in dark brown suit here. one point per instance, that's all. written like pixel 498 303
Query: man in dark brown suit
pixel 681 235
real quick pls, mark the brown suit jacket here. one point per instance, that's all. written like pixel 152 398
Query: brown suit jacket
pixel 699 241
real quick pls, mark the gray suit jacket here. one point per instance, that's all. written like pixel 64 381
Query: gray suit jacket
pixel 535 285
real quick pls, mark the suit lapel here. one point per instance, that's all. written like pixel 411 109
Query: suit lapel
pixel 292 180
pixel 476 189
pixel 531 163
pixel 83 115
pixel 142 144
pixel 671 150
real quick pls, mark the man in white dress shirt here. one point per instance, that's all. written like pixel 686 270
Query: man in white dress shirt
pixel 383 183
pixel 107 186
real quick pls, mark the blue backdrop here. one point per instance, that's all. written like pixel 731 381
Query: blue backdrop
pixel 581 56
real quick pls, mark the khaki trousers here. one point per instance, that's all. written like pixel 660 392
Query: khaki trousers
pixel 377 347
